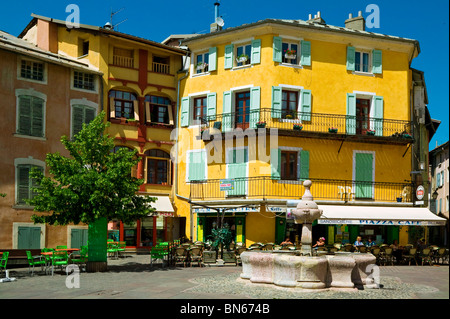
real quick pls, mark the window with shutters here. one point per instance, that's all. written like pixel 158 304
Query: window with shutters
pixel 158 110
pixel 81 114
pixel 32 70
pixel 363 61
pixel 158 167
pixel 200 109
pixel 289 104
pixel 243 55
pixel 202 63
pixel 30 116
pixel 289 165
pixel 290 53
pixel 24 183
pixel 84 81
pixel 122 104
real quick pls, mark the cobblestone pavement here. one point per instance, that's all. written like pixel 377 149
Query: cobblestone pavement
pixel 133 278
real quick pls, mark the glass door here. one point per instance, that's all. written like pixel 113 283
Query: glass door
pixel 362 116
pixel 242 110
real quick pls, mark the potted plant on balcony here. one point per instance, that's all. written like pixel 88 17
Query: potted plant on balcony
pixel 332 129
pixel 201 66
pixel 370 132
pixel 290 54
pixel 261 124
pixel 242 58
pixel 298 127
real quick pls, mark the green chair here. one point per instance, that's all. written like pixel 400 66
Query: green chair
pixel 79 257
pixel 61 247
pixel 4 261
pixel 121 247
pixel 59 258
pixel 111 249
pixel 35 261
pixel 157 253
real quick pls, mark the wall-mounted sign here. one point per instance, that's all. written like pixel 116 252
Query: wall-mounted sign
pixel 420 192
pixel 226 184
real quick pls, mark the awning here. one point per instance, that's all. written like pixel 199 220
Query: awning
pixel 163 206
pixel 228 208
pixel 388 216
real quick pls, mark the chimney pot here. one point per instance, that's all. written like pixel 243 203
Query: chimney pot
pixel 318 14
pixel 310 16
pixel 359 13
pixel 350 16
pixel 357 23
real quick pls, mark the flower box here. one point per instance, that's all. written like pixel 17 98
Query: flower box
pixel 242 58
pixel 261 124
pixel 290 56
pixel 370 132
pixel 297 127
pixel 332 130
pixel 406 136
pixel 201 66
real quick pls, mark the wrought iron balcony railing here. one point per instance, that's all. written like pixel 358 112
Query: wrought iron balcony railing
pixel 310 123
pixel 264 187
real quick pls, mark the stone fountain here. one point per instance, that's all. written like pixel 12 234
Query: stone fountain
pixel 300 268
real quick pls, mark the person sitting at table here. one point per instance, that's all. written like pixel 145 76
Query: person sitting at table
pixel 319 243
pixel 396 251
pixel 358 242
pixel 370 243
pixel 287 241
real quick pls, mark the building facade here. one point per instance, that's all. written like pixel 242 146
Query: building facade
pixel 267 105
pixel 43 96
pixel 139 94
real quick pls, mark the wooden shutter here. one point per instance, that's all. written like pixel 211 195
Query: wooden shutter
pixel 227 118
pixel 350 122
pixel 304 165
pixel 256 51
pixel 255 102
pixel 276 102
pixel 77 119
pixel 196 166
pixel 90 114
pixel 212 59
pixel 363 175
pixel 351 58
pixel 112 108
pixel 24 125
pixel 277 49
pixel 229 56
pixel 377 62
pixel 378 115
pixel 305 103
pixel 23 183
pixel 170 112
pixel 29 237
pixel 185 106
pixel 37 121
pixel 305 53
pixel 211 101
pixel 148 117
pixel 136 110
pixel 275 163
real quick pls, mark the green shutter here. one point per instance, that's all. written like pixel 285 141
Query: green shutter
pixel 277 49
pixel 305 58
pixel 227 119
pixel 256 51
pixel 185 107
pixel 275 163
pixel 29 237
pixel 351 58
pixel 363 175
pixel 276 102
pixel 255 101
pixel 350 124
pixel 377 61
pixel 237 170
pixel 378 115
pixel 211 106
pixel 212 59
pixel 197 166
pixel 304 165
pixel 229 56
pixel 77 119
pixel 89 114
pixel 37 125
pixel 24 125
pixel 306 105
pixel 23 183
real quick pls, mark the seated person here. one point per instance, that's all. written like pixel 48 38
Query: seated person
pixel 287 241
pixel 370 243
pixel 320 243
pixel 358 241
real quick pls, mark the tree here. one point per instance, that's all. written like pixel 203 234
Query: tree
pixel 92 186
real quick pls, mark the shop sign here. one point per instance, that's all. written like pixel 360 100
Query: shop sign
pixel 276 209
pixel 380 222
pixel 420 192
pixel 228 209
pixel 226 184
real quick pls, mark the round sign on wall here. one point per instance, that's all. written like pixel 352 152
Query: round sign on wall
pixel 420 192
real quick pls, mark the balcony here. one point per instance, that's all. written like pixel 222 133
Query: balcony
pixel 266 188
pixel 161 68
pixel 317 125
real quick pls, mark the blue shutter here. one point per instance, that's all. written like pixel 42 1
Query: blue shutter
pixel 255 101
pixel 304 165
pixel 256 51
pixel 277 49
pixel 350 123
pixel 378 115
pixel 305 58
pixel 197 166
pixel 377 61
pixel 227 119
pixel 306 105
pixel 351 58
pixel 275 163
pixel 276 102
pixel 212 59
pixel 229 56
pixel 185 107
pixel 211 101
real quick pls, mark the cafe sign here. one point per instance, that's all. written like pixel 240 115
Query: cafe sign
pixel 381 222
pixel 420 192
pixel 226 184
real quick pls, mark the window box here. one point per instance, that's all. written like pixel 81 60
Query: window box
pixel 242 58
pixel 370 132
pixel 406 135
pixel 290 54
pixel 261 124
pixel 297 127
pixel 332 130
pixel 201 66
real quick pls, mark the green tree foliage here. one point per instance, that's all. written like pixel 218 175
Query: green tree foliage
pixel 92 183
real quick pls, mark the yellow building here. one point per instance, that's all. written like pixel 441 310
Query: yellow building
pixel 139 93
pixel 267 105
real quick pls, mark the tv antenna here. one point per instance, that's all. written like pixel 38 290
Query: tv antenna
pixel 113 26
pixel 220 21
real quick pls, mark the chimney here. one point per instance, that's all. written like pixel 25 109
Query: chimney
pixel 358 23
pixel 214 27
pixel 317 19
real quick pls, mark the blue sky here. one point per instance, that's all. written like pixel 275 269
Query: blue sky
pixel 425 21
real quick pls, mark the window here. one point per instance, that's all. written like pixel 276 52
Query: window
pixel 32 70
pixel 242 117
pixel 83 47
pixel 123 57
pixel 202 63
pixel 200 109
pixel 289 165
pixel 290 53
pixel 161 65
pixel 81 114
pixel 158 109
pixel 30 116
pixel 289 104
pixel 122 104
pixel 24 183
pixel 84 81
pixel 158 167
pixel 362 116
pixel 362 61
pixel 243 54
